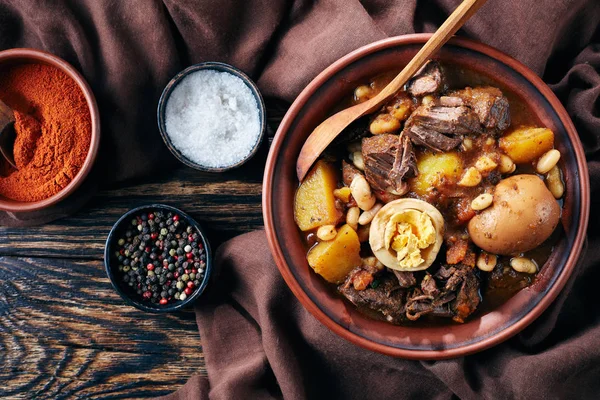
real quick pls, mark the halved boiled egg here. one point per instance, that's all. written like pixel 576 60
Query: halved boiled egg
pixel 406 234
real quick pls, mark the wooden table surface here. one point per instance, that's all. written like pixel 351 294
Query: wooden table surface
pixel 64 331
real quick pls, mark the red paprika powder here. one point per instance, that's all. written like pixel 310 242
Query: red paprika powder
pixel 53 131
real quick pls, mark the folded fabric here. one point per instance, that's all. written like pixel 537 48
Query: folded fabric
pixel 260 343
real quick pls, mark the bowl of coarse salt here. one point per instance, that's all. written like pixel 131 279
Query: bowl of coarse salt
pixel 212 117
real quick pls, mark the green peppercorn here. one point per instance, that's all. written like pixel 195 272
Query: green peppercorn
pixel 120 268
pixel 180 285
pixel 176 296
pixel 150 273
pixel 164 231
pixel 126 268
pixel 172 252
pixel 134 221
pixel 185 277
pixel 192 276
pixel 121 242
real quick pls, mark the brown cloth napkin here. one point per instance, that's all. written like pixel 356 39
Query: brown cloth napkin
pixel 259 342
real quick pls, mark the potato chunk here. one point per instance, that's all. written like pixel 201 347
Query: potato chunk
pixel 434 168
pixel 525 144
pixel 334 260
pixel 314 204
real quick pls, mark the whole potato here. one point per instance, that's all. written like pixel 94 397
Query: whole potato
pixel 523 215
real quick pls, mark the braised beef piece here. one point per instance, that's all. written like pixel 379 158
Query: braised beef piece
pixel 452 292
pixel 432 139
pixel 449 120
pixel 441 128
pixel 428 80
pixel 389 162
pixel 387 298
pixel 405 279
pixel 349 172
pixel 489 104
pixel 428 286
pixel 467 298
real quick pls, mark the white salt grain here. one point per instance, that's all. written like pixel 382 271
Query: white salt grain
pixel 212 118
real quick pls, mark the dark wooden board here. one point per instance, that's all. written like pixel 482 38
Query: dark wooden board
pixel 64 332
pixel 224 204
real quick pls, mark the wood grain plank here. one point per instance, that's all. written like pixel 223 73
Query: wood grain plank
pixel 64 332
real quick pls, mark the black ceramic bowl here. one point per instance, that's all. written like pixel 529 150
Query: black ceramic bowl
pixel 111 263
pixel 219 67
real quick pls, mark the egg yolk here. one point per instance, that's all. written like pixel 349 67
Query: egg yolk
pixel 407 233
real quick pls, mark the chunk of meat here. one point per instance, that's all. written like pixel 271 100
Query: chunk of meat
pixel 428 286
pixel 349 172
pixel 428 80
pixel 432 139
pixel 489 104
pixel 449 120
pixel 405 279
pixel 389 162
pixel 467 298
pixel 387 298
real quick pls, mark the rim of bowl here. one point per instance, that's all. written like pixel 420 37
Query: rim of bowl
pixel 129 300
pixel 39 56
pixel 486 342
pixel 220 67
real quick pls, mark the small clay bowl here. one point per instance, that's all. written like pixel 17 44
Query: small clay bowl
pixel 111 263
pixel 219 67
pixel 486 328
pixel 22 56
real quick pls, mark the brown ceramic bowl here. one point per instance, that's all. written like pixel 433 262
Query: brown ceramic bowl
pixel 485 329
pixel 17 56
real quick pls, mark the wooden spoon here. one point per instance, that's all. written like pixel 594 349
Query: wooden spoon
pixel 329 129
pixel 7 133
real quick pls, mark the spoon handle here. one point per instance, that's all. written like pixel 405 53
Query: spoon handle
pixel 454 22
pixel 329 129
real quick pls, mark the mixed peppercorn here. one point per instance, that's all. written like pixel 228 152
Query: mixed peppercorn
pixel 161 257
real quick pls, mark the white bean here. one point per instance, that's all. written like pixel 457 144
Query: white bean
pixel 524 265
pixel 507 166
pixel 352 217
pixel 326 232
pixel 357 160
pixel 471 177
pixel 482 202
pixel 547 161
pixel 361 191
pixel 554 182
pixel 367 216
pixel 467 144
pixel 384 123
pixel 363 93
pixel 486 261
pixel 426 100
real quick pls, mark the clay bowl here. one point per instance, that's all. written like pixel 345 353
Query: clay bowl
pixel 18 56
pixel 484 329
